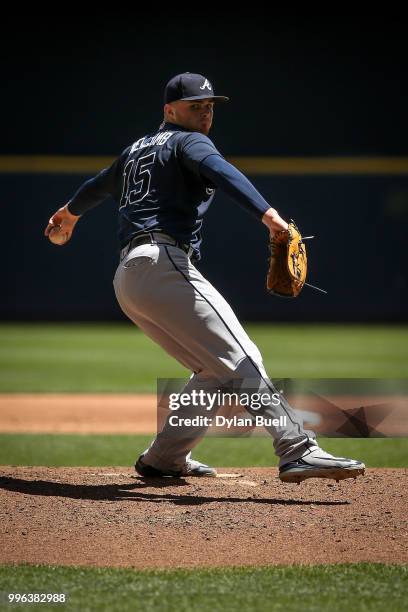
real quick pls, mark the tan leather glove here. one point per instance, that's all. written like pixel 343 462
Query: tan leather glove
pixel 287 264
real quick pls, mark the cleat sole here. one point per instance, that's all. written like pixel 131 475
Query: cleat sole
pixel 298 475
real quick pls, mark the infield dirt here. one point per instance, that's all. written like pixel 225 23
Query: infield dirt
pixel 111 517
pixel 129 413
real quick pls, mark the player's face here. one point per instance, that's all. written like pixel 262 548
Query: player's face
pixel 196 115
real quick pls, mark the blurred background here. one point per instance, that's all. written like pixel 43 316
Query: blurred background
pixel 317 120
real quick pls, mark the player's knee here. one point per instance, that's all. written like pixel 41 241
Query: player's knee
pixel 251 367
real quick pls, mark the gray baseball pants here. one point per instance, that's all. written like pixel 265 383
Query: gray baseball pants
pixel 165 295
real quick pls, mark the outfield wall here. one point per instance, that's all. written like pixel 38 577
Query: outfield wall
pixel 359 255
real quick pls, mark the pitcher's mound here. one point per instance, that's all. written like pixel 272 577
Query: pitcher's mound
pixel 111 517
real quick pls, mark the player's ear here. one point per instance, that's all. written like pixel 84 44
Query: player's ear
pixel 169 111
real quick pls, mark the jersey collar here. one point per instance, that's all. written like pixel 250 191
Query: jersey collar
pixel 174 127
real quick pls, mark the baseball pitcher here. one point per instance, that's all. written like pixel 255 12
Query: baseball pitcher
pixel 163 184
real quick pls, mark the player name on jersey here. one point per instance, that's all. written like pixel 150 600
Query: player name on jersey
pixel 158 139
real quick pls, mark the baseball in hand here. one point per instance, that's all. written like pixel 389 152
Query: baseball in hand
pixel 57 236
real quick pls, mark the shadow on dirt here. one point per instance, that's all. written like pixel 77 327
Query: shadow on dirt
pixel 134 491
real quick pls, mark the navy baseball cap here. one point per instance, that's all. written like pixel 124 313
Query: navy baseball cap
pixel 189 86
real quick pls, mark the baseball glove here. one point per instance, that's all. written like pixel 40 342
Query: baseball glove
pixel 287 263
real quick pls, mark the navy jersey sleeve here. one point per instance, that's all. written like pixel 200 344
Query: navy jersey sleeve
pixel 195 148
pixel 224 175
pixel 95 190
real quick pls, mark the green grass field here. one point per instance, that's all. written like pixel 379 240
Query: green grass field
pixel 117 359
pixel 103 450
pixel 340 588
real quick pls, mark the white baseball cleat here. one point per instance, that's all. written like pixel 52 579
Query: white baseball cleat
pixel 316 463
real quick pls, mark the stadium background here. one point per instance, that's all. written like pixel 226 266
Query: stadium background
pixel 317 120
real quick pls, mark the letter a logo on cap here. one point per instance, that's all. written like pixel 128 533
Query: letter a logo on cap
pixel 206 84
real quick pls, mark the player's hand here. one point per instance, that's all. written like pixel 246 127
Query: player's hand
pixel 63 219
pixel 274 221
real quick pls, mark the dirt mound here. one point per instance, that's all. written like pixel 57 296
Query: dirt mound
pixel 138 413
pixel 78 413
pixel 110 517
